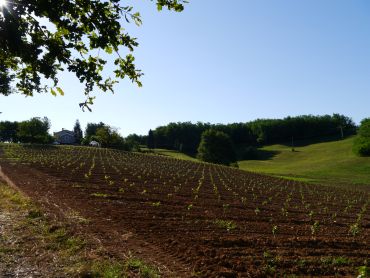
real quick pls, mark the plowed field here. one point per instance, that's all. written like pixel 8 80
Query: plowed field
pixel 198 219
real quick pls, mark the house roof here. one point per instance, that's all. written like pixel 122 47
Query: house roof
pixel 64 131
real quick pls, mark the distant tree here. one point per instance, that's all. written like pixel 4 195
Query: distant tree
pixel 8 131
pixel 108 137
pixel 78 132
pixel 151 143
pixel 91 128
pixel 103 134
pixel 186 136
pixel 133 142
pixel 361 145
pixel 35 131
pixel 216 147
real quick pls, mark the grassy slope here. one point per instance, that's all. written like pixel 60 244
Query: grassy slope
pixel 174 154
pixel 329 162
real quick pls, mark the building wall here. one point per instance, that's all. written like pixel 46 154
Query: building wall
pixel 65 137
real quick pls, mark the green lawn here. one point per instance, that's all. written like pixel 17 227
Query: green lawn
pixel 172 153
pixel 329 162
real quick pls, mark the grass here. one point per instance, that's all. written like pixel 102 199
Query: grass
pixel 141 268
pixel 174 154
pixel 327 163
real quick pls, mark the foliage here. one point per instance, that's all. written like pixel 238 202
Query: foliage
pixel 133 142
pixel 150 139
pixel 91 129
pixel 34 131
pixel 363 271
pixel 78 132
pixel 8 131
pixel 216 147
pixel 107 136
pixel 361 144
pixel 185 137
pixel 40 39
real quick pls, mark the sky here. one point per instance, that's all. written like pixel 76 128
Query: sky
pixel 228 61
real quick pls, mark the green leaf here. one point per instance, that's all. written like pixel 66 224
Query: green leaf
pixel 109 49
pixel 60 91
pixel 53 92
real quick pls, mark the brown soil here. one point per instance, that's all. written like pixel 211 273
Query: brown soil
pixel 194 219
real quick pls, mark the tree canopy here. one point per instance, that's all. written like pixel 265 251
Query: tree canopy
pixel 107 136
pixel 40 39
pixel 78 132
pixel 8 131
pixel 361 144
pixel 216 147
pixel 35 130
pixel 151 143
pixel 186 136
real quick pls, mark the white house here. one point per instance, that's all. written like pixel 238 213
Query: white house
pixel 65 137
pixel 94 144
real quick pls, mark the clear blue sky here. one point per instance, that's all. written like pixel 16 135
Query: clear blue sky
pixel 229 61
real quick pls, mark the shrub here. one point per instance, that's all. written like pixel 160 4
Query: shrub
pixel 361 145
pixel 216 147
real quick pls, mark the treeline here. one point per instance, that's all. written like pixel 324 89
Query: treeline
pixel 35 130
pixel 186 136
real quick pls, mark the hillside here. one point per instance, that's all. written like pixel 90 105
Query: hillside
pixel 329 162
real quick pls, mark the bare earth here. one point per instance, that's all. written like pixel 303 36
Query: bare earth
pixel 203 220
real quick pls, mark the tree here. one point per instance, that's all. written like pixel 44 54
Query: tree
pixel 78 132
pixel 361 145
pixel 35 131
pixel 150 140
pixel 40 39
pixel 108 137
pixel 133 142
pixel 216 147
pixel 91 129
pixel 8 131
pixel 186 136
